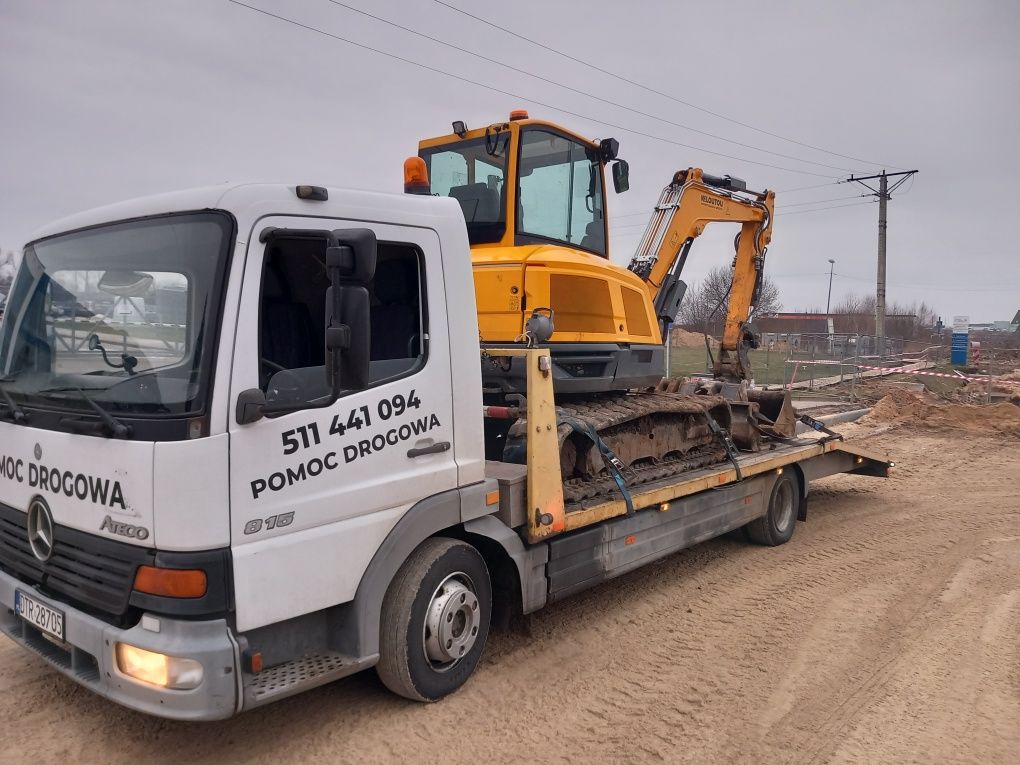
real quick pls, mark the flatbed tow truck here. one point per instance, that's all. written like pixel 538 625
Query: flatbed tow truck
pixel 243 453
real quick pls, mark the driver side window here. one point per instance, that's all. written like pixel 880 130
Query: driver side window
pixel 292 315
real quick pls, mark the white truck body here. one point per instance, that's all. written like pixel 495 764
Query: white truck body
pixel 300 521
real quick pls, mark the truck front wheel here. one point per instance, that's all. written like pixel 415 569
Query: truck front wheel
pixel 777 525
pixel 435 618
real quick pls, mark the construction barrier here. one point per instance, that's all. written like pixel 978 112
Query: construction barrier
pixel 907 370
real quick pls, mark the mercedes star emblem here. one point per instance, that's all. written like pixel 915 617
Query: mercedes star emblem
pixel 40 530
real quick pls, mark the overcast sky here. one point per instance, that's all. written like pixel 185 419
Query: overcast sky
pixel 104 100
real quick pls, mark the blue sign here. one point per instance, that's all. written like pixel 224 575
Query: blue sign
pixel 958 349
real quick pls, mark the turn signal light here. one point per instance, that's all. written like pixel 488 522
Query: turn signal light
pixel 416 176
pixel 171 582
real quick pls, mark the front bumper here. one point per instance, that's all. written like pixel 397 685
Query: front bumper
pixel 88 657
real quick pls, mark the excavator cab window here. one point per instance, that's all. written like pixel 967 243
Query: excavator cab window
pixel 560 195
pixel 474 173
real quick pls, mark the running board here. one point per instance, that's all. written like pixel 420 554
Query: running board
pixel 300 675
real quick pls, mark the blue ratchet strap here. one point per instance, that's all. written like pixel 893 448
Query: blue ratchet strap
pixel 612 461
pixel 731 449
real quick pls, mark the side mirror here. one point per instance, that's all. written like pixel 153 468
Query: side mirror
pixel 353 257
pixel 348 339
pixel 350 264
pixel 621 176
pixel 251 406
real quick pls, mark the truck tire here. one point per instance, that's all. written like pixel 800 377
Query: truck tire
pixel 435 619
pixel 777 525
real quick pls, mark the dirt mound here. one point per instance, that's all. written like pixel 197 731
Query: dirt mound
pixel 681 338
pixel 900 407
pixel 1002 387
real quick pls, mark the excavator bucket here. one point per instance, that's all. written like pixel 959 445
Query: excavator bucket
pixel 775 411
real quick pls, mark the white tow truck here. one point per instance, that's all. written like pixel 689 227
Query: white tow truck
pixel 243 453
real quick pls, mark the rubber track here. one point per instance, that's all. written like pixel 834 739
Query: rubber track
pixel 579 494
pixel 618 409
pixel 614 410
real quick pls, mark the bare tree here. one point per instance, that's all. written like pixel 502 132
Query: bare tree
pixel 7 269
pixel 705 305
pixel 857 314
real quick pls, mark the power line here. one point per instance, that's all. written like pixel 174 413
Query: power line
pixel 805 188
pixel 585 93
pixel 953 288
pixel 820 201
pixel 821 209
pixel 528 99
pixel 653 90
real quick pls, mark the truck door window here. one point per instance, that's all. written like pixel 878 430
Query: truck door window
pixel 292 317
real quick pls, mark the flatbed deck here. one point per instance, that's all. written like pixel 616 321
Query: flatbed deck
pixel 839 457
pixel 531 495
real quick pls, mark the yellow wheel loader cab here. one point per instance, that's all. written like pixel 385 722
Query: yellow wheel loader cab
pixel 534 201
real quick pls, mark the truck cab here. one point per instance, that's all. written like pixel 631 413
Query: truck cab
pixel 217 405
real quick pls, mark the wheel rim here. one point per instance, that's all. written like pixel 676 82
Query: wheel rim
pixel 782 508
pixel 451 622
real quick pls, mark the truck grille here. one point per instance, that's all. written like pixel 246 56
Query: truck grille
pixel 85 570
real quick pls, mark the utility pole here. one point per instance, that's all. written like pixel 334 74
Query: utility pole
pixel 884 194
pixel 828 300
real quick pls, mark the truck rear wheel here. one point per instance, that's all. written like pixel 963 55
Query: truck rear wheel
pixel 777 525
pixel 435 619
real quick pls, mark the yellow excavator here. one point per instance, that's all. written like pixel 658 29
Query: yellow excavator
pixel 534 201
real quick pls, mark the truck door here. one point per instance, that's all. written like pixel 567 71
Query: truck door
pixel 314 492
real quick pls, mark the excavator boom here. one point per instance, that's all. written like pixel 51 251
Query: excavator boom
pixel 686 206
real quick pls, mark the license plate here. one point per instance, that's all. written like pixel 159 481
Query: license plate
pixel 46 619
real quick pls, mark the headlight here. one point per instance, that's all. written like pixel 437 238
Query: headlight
pixel 158 668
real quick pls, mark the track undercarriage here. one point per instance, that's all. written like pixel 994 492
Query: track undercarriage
pixel 649 435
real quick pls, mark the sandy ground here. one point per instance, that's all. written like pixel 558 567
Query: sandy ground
pixel 885 631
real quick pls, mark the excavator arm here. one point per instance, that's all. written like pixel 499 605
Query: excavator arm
pixel 690 202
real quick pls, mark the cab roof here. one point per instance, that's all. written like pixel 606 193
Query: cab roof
pixel 250 201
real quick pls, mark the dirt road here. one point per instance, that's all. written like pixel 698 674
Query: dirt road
pixel 885 631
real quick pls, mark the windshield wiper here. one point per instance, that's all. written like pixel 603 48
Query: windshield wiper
pixel 66 388
pixel 114 427
pixel 17 413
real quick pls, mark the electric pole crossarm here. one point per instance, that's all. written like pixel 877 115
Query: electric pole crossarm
pixel 884 194
pixel 879 175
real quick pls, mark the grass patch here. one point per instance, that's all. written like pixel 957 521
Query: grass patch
pixel 769 367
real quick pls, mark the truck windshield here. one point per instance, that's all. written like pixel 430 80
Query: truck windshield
pixel 474 173
pixel 123 312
